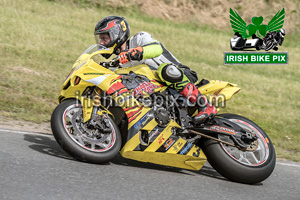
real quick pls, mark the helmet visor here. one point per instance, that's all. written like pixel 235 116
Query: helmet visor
pixel 103 39
pixel 108 37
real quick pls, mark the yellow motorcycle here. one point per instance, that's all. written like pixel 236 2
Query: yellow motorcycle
pixel 105 110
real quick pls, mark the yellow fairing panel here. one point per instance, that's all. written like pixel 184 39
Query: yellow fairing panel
pixel 219 90
pixel 139 69
pixel 164 148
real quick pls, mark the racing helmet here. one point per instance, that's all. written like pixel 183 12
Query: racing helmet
pixel 116 27
pixel 282 32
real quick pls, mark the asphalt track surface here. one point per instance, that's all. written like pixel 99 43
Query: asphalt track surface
pixel 34 167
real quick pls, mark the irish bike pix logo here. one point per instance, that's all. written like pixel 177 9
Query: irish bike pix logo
pixel 256 43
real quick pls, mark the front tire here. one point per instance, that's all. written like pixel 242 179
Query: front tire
pixel 78 140
pixel 248 167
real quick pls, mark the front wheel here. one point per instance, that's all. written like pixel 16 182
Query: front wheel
pixel 82 142
pixel 242 166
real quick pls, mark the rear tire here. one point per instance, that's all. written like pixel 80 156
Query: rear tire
pixel 249 168
pixel 77 143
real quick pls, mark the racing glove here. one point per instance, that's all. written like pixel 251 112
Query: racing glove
pixel 131 54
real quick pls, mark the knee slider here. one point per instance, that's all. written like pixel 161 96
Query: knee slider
pixel 170 73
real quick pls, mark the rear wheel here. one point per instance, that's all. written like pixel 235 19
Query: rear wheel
pixel 249 167
pixel 93 145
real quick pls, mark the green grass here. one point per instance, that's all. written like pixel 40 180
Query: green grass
pixel 41 39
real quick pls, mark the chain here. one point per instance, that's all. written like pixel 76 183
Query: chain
pixel 213 138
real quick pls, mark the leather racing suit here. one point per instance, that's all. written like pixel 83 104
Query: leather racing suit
pixel 171 71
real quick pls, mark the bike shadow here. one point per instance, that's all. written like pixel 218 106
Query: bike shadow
pixel 205 170
pixel 46 144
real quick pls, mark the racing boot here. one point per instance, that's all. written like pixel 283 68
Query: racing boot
pixel 206 110
pixel 205 113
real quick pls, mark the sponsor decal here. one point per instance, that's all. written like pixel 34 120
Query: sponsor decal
pixel 177 146
pixel 141 122
pixel 222 129
pixel 153 134
pixel 147 87
pixel 160 139
pixel 169 143
pixel 186 148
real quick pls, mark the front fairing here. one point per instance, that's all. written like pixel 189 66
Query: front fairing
pixel 94 52
pixel 86 67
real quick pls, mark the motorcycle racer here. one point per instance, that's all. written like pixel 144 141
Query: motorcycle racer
pixel 114 31
pixel 275 38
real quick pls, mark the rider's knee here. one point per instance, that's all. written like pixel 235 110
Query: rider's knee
pixel 170 73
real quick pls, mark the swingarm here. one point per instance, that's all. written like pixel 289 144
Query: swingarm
pixel 242 139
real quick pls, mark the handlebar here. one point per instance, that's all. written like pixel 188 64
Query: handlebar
pixel 113 63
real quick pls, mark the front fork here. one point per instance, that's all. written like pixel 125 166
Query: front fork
pixel 91 112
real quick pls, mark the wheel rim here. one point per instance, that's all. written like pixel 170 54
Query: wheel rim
pixel 251 158
pixel 92 140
